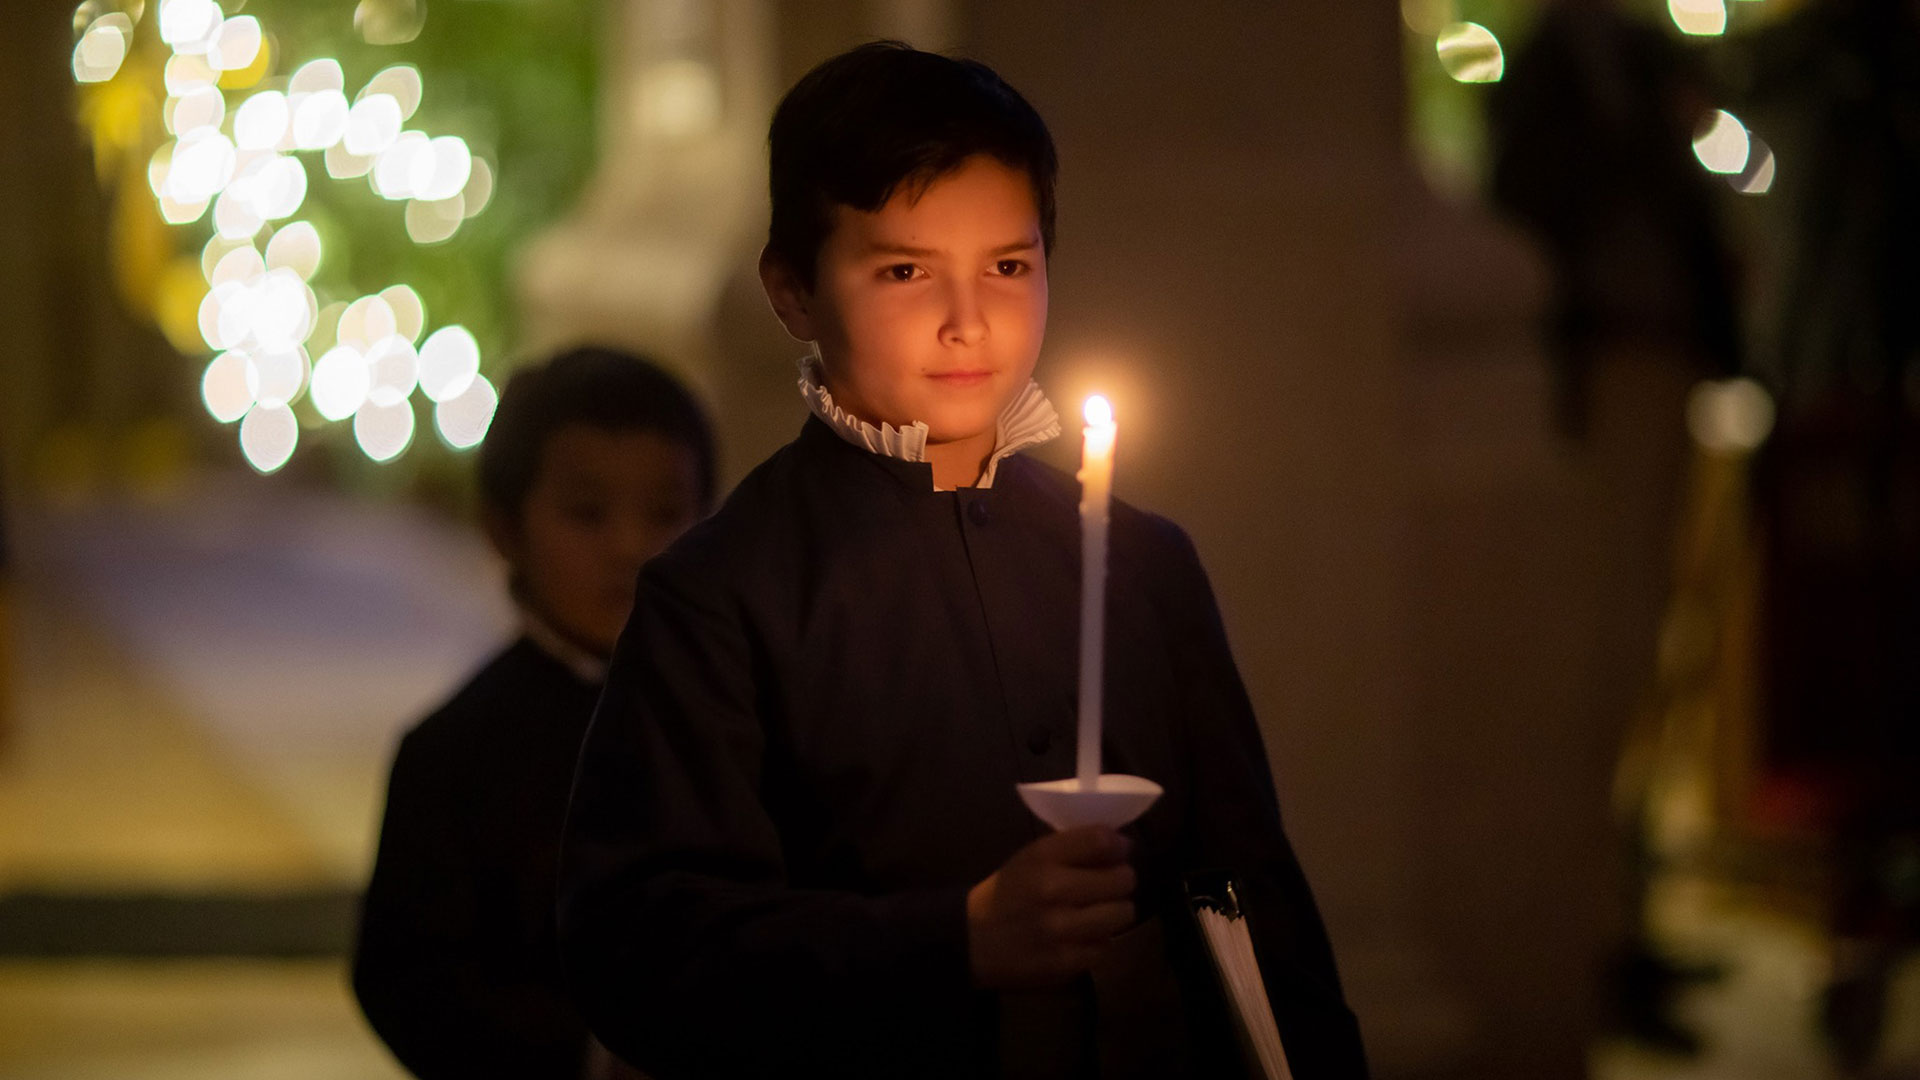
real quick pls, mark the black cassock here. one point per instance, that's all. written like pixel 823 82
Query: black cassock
pixel 806 753
pixel 457 968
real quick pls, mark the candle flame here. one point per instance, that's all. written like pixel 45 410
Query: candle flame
pixel 1098 412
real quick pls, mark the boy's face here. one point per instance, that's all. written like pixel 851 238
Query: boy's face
pixel 930 308
pixel 602 503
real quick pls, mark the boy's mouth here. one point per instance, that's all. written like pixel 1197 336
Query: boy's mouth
pixel 969 377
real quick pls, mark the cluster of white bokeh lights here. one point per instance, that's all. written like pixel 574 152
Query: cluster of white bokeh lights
pixel 260 315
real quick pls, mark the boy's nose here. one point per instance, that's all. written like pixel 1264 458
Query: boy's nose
pixel 966 322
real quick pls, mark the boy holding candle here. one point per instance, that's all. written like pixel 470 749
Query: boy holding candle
pixel 795 845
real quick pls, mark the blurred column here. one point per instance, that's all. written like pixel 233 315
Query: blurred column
pixel 1225 273
pixel 6 627
pixel 674 209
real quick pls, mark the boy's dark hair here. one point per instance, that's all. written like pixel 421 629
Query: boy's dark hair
pixel 860 126
pixel 599 387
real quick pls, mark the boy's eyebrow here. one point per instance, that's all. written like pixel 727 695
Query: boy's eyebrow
pixel 911 252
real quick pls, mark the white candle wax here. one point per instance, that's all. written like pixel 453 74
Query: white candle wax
pixel 1096 493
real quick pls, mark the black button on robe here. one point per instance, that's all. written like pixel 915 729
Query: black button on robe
pixel 806 755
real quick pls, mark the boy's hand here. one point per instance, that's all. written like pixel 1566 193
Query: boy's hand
pixel 1044 917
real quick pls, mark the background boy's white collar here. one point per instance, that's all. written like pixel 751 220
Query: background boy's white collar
pixel 1028 420
pixel 585 666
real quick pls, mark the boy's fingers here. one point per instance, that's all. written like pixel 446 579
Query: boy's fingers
pixel 1096 923
pixel 1076 887
pixel 1089 845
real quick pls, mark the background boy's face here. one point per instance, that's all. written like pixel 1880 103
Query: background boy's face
pixel 602 503
pixel 933 308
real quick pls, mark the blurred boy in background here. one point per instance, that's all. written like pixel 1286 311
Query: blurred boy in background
pixel 596 461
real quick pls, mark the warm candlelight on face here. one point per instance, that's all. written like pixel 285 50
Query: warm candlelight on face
pixel 1096 492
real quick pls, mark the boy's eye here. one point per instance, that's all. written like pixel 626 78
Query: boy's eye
pixel 901 272
pixel 1010 267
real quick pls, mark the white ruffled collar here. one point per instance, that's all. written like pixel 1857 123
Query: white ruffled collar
pixel 1028 420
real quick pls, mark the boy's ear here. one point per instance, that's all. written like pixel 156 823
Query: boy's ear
pixel 791 300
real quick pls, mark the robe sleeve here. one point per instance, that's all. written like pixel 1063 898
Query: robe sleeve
pixel 1235 826
pixel 421 970
pixel 688 948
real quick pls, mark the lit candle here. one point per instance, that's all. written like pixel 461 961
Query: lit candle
pixel 1096 492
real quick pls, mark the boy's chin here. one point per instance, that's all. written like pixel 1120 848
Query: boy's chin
pixel 962 423
pixel 940 434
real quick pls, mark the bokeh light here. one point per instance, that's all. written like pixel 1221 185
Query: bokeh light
pixel 395 370
pixel 449 362
pixel 240 266
pixel 216 329
pixel 296 246
pixel 345 165
pixel 373 123
pixel 223 387
pixel 201 166
pixel 187 25
pixel 234 318
pixel 383 431
pixel 341 381
pixel 1428 17
pixel 216 251
pixel 463 420
pixel 403 169
pixel 248 76
pixel 200 108
pixel 185 74
pixel 237 44
pixel 1757 177
pixel 102 48
pixel 1470 53
pixel 261 121
pixel 402 83
pixel 389 22
pixel 1729 415
pixel 157 166
pixel 479 189
pixel 431 221
pixel 320 120
pixel 84 15
pixel 268 188
pixel 1701 18
pixel 366 321
pixel 1722 144
pixel 276 378
pixel 234 217
pixel 273 312
pixel 175 212
pixel 452 168
pixel 268 436
pixel 315 76
pixel 409 312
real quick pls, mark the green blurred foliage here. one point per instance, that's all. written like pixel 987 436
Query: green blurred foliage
pixel 517 80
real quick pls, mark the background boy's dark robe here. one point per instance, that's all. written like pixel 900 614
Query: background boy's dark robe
pixel 457 967
pixel 806 754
